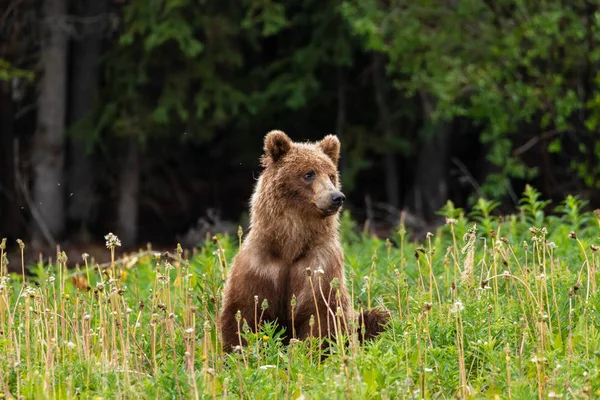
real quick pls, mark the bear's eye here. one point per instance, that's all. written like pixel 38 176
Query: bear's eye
pixel 332 178
pixel 309 176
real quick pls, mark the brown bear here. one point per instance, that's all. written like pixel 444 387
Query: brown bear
pixel 293 249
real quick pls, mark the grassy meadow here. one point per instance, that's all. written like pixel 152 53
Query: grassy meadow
pixel 484 307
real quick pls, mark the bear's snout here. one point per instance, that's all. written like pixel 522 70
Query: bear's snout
pixel 330 203
pixel 337 199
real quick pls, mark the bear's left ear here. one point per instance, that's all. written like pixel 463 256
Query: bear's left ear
pixel 330 145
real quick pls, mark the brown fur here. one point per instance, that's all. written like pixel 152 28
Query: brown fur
pixel 294 234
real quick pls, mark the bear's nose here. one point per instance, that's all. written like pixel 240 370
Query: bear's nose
pixel 338 198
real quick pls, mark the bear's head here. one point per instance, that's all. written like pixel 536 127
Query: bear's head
pixel 303 175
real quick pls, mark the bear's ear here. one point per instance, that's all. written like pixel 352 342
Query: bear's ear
pixel 277 144
pixel 330 145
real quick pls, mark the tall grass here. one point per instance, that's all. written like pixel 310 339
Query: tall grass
pixel 485 307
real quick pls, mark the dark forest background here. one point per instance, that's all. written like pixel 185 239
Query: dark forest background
pixel 146 118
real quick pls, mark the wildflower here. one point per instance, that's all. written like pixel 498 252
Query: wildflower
pixel 320 271
pixel 62 257
pixel 189 330
pixel 457 307
pixel 265 338
pixel 572 235
pixel 112 241
pixel 451 221
pixel 51 279
pixel 71 345
pixel 594 248
pixel 162 278
pixel 551 245
pixel 87 317
pixel 536 359
pixel 265 367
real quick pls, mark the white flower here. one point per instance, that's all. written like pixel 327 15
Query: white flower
pixel 457 307
pixel 264 367
pixel 112 241
pixel 71 345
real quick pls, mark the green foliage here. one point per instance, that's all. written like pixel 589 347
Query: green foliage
pixel 147 328
pixel 532 208
pixel 507 65
pixel 8 72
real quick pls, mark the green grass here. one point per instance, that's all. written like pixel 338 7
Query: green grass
pixel 481 309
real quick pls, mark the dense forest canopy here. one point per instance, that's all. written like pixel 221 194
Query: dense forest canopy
pixel 143 116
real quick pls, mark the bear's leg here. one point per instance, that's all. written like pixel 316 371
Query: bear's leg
pixel 229 328
pixel 246 292
pixel 374 321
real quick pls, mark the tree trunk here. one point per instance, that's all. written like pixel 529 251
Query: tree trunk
pixel 430 188
pixel 340 122
pixel 128 195
pixel 86 59
pixel 48 145
pixel 390 165
pixel 9 207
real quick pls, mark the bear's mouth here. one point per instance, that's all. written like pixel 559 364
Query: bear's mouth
pixel 329 211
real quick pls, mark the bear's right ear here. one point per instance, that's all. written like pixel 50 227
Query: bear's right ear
pixel 277 144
